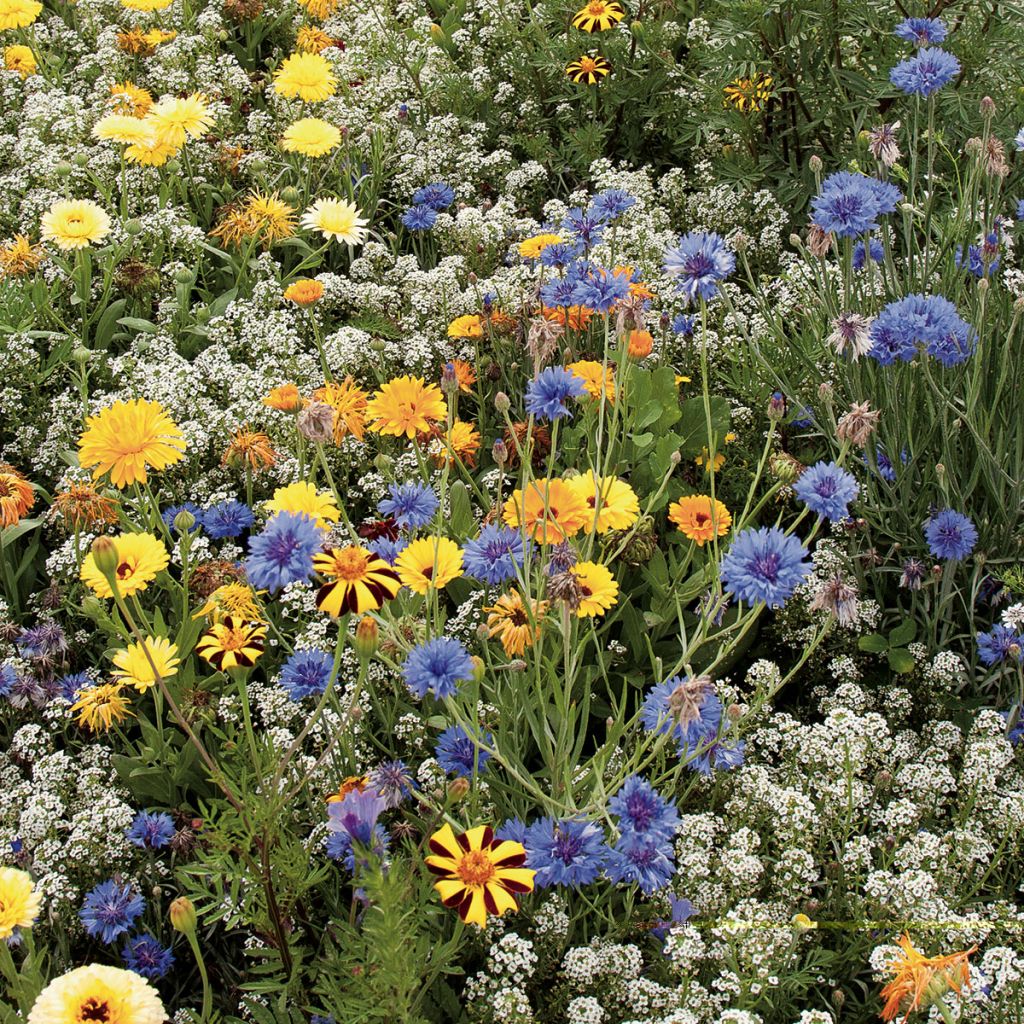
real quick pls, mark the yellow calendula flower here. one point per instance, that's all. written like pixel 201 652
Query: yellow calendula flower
pixel 468 326
pixel 549 511
pixel 237 599
pixel 126 438
pixel 462 442
pixel 274 219
pixel 515 621
pixel 349 402
pixel 140 557
pixel 302 498
pixel 595 377
pixel 135 664
pixel 150 152
pixel 337 219
pixel 18 13
pixel 700 518
pixel 406 405
pixel 304 292
pixel 310 136
pixel 305 76
pixel 128 98
pixel 620 507
pixel 146 5
pixel 249 448
pixel 98 993
pixel 531 248
pixel 21 59
pixel 124 128
pixel 919 980
pixel 311 39
pixel 75 224
pixel 429 563
pixel 20 903
pixel 175 120
pixel 16 495
pixel 20 257
pixel 598 589
pixel 320 9
pixel 99 707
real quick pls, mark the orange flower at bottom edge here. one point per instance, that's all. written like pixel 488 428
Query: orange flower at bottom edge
pixel 919 980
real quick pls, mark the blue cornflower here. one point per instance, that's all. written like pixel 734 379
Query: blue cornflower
pixel 42 640
pixel 849 204
pixel 612 203
pixel 861 253
pixel 437 667
pixel 884 465
pixel 436 195
pixel 645 860
pixel 560 254
pixel 1000 643
pixel 803 419
pixel 110 910
pixel 393 781
pixel 147 956
pixel 684 325
pixel 149 831
pixel 227 519
pixel 925 73
pixel 601 291
pixel 915 321
pixel 8 679
pixel 686 709
pixel 329 1019
pixel 283 552
pixel 559 293
pixel 168 516
pixel 419 218
pixel 69 685
pixel 457 754
pixel 680 911
pixel 981 260
pixel 388 549
pixel 950 534
pixel 339 847
pixel 584 226
pixel 718 754
pixel 1016 733
pixel 764 565
pixel 307 673
pixel 547 393
pixel 411 505
pixel 567 852
pixel 642 810
pixel 512 830
pixel 495 556
pixel 921 31
pixel 1019 140
pixel 827 490
pixel 699 262
pixel 1020 204
pixel 357 814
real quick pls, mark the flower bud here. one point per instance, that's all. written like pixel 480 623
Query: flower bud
pixel 367 637
pixel 983 285
pixel 183 915
pixel 458 788
pixel 383 463
pixel 502 403
pixel 63 169
pixel 92 607
pixel 479 669
pixel 81 355
pixel 802 923
pixel 133 226
pixel 173 166
pixel 184 521
pixel 290 194
pixel 81 160
pixel 104 554
pixel 516 665
pixel 815 163
pixel 483 632
pixel 499 453
pixel 377 344
pixel 987 106
pixel 776 406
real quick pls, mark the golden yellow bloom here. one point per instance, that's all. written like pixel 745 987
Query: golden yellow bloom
pixel 310 137
pixel 598 589
pixel 311 39
pixel 140 556
pixel 598 15
pixel 465 375
pixel 337 219
pixel 468 326
pixel 232 643
pixel 429 563
pixel 531 248
pixel 588 69
pixel 919 980
pixel 306 76
pixel 237 599
pixel 285 398
pixel 146 5
pixel 304 292
pixel 20 257
pixel 350 784
pixel 274 219
pixel 576 317
pixel 18 13
pixel 510 619
pixel 20 903
pixel 349 403
pixel 700 519
pixel 126 438
pixel 151 151
pixel 133 665
pixel 176 120
pixel 320 9
pixel 550 511
pixel 74 223
pixel 21 59
pixel 98 708
pixel 357 581
pixel 641 344
pixel 749 94
pixel 16 495
pixel 704 459
pixel 155 36
pixel 406 405
pixel 302 498
pixel 128 98
pixel 461 442
pixel 594 376
pixel 98 993
pixel 236 225
pixel 82 507
pixel 250 448
pixel 477 873
pixel 124 128
pixel 620 507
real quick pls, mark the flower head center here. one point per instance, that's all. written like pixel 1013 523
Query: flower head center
pixel 94 1009
pixel 350 564
pixel 476 868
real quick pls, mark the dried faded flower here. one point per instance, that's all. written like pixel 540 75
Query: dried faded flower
pixel 857 425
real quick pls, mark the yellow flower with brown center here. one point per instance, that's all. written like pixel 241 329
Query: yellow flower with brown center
pixel 462 442
pixel 531 248
pixel 304 292
pixel 749 94
pixel 18 13
pixel 700 518
pixel 550 511
pixel 20 257
pixel 598 15
pixel 237 599
pixel 140 557
pixel 302 498
pixel 176 120
pixel 357 581
pixel 21 59
pixel 126 438
pixel 232 643
pixel 141 664
pixel 406 405
pixel 429 563
pixel 469 326
pixel 588 69
pixel 82 507
pixel 350 784
pixel 349 403
pixel 311 39
pixel 305 76
pixel 310 136
pixel 620 507
pixel 919 980
pixel 478 873
pixel 16 495
pixel 596 378
pixel 337 219
pixel 517 622
pixel 250 448
pixel 598 589
pixel 285 398
pixel 128 98
pixel 98 993
pixel 20 901
pixel 99 707
pixel 74 224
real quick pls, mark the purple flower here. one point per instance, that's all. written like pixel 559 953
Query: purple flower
pixel 950 534
pixel 642 810
pixel 412 505
pixel 437 667
pixel 419 218
pixel 437 195
pixel 568 852
pixel 458 754
pixel 612 203
pixel 921 31
pixel 283 552
pixel 643 860
pixel 699 262
pixel 151 831
pixel 227 519
pixel 147 956
pixel 392 781
pixel 925 73
pixel 1000 643
pixel 849 204
pixel 496 555
pixel 764 565
pixel 110 910
pixel 307 673
pixel 548 392
pixel 357 814
pixel 827 490
pixel 686 709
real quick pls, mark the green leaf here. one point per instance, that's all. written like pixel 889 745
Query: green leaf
pixel 106 328
pixel 903 634
pixel 136 323
pixel 901 660
pixel 873 643
pixel 460 509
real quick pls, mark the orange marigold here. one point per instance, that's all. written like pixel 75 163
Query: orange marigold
pixel 250 448
pixel 16 495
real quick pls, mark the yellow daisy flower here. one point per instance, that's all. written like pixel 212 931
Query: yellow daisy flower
pixel 140 557
pixel 302 498
pixel 20 903
pixel 620 507
pixel 305 76
pixel 133 664
pixel 310 137
pixel 406 405
pixel 337 219
pixel 98 993
pixel 74 223
pixel 429 563
pixel 598 589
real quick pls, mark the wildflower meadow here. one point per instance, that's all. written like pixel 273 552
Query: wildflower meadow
pixel 511 513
